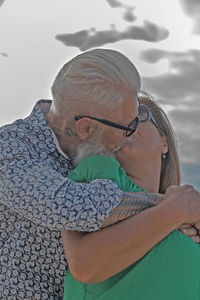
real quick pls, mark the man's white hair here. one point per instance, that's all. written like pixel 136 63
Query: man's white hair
pixel 94 77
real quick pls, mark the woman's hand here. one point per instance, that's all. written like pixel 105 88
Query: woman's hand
pixel 184 201
pixel 191 230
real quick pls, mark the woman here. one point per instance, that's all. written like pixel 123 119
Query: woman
pixel 171 269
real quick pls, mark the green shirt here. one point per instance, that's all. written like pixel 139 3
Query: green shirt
pixel 169 271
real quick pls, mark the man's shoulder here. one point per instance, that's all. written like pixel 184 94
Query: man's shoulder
pixel 13 134
pixel 34 119
pixel 13 129
pixel 24 134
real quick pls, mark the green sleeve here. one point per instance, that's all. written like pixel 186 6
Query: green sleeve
pixel 103 167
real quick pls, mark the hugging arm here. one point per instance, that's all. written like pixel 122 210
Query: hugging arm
pixel 34 190
pixel 130 205
pixel 94 257
pixel 133 203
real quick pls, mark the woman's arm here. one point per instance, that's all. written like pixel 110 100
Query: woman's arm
pixel 94 257
pixel 133 203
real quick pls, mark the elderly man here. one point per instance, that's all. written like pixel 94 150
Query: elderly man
pixel 38 201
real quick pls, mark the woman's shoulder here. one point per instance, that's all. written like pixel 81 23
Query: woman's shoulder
pixel 100 159
pixel 103 167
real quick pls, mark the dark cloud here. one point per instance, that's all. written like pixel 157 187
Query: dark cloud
pixel 114 3
pixel 148 32
pixel 1 2
pixel 180 87
pixel 192 9
pixel 182 79
pixel 128 14
pixel 77 39
pixel 4 54
pixel 86 39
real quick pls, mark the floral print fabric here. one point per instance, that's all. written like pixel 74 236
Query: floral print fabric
pixel 37 202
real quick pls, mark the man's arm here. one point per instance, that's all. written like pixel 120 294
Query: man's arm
pixel 130 205
pixel 43 196
pixel 133 203
pixel 94 257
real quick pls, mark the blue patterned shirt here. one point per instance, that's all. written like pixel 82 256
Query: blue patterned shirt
pixel 38 201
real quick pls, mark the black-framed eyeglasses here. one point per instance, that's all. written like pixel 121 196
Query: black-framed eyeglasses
pixel 129 129
pixel 146 115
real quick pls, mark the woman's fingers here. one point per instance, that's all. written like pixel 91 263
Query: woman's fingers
pixel 185 201
pixel 185 225
pixel 196 239
pixel 191 231
pixel 197 225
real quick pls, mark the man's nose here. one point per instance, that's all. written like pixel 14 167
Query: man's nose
pixel 121 144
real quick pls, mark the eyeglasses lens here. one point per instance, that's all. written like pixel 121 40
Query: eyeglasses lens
pixel 146 115
pixel 143 113
pixel 133 125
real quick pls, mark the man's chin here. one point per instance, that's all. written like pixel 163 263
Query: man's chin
pixel 90 148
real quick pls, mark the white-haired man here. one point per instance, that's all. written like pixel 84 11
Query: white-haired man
pixel 96 92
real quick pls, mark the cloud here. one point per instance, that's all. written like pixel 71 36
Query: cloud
pixel 179 87
pixel 128 14
pixel 187 127
pixel 114 3
pixel 192 9
pixel 182 79
pixel 149 32
pixel 86 39
pixel 1 2
pixel 191 174
pixel 4 54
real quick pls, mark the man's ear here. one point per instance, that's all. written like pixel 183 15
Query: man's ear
pixel 164 147
pixel 84 128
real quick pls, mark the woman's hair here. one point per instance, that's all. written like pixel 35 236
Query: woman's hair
pixel 95 77
pixel 170 168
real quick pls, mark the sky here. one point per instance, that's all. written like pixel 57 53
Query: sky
pixel 162 38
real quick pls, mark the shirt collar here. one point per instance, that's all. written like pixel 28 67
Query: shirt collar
pixel 38 123
pixel 58 145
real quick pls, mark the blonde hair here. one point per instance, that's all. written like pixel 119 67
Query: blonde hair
pixel 170 168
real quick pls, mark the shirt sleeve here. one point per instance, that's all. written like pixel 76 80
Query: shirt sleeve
pixel 45 197
pixel 134 199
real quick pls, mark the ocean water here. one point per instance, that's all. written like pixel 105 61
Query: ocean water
pixel 191 175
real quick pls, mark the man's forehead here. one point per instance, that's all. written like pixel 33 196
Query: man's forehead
pixel 128 110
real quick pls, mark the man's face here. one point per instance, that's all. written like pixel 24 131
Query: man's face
pixel 111 137
pixel 106 140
